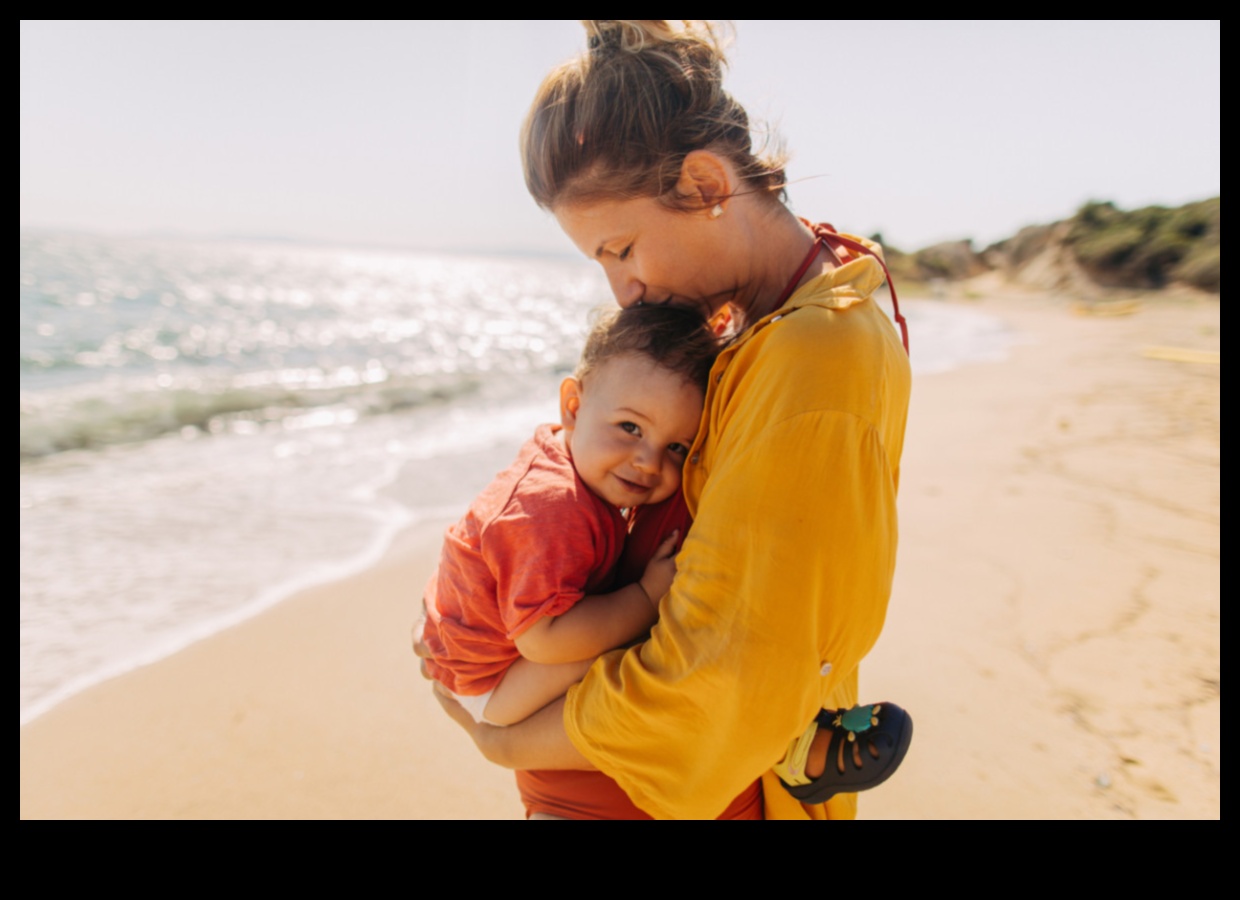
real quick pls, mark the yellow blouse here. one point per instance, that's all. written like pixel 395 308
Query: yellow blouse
pixel 783 581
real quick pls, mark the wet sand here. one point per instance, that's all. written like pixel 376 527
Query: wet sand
pixel 1054 629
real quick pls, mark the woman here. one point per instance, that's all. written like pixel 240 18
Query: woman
pixel 783 581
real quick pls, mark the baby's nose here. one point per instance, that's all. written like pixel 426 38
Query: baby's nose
pixel 645 460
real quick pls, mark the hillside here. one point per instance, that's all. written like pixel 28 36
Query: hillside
pixel 1100 247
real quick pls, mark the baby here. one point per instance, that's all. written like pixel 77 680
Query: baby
pixel 522 600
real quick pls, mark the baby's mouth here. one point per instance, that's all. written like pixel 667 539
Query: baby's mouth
pixel 634 486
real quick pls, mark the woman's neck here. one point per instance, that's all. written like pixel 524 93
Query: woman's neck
pixel 778 243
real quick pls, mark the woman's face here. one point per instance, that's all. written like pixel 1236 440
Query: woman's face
pixel 653 254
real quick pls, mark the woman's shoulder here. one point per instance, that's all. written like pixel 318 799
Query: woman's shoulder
pixel 827 334
pixel 819 358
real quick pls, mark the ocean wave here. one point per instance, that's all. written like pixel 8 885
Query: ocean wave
pixel 126 411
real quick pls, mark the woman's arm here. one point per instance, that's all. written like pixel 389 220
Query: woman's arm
pixel 539 742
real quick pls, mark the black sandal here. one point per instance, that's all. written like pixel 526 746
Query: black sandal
pixel 884 729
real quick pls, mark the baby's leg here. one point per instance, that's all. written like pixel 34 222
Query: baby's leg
pixel 529 686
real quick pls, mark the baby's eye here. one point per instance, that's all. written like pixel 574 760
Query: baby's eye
pixel 631 427
pixel 678 449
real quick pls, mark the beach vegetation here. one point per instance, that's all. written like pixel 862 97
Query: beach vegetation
pixel 947 261
pixel 1149 247
pixel 1141 249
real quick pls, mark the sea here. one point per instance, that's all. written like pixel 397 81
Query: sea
pixel 208 426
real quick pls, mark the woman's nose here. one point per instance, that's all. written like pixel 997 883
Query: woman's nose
pixel 626 289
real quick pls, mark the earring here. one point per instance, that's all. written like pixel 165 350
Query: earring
pixel 716 211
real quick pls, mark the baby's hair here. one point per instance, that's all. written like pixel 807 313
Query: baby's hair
pixel 673 337
pixel 618 121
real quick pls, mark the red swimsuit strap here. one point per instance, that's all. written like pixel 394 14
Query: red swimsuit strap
pixel 827 236
pixel 792 284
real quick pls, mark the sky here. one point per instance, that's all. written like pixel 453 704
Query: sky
pixel 404 134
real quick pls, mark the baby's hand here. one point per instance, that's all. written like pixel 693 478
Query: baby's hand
pixel 661 569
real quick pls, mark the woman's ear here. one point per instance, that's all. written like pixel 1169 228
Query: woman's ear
pixel 706 177
pixel 570 401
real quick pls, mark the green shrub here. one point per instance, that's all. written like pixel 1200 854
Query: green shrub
pixel 1200 268
pixel 1149 247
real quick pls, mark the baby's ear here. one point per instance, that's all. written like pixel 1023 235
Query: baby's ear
pixel 570 401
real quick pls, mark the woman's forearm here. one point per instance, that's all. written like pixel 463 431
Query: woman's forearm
pixel 539 742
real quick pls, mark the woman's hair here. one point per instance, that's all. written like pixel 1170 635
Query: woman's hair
pixel 618 120
pixel 674 337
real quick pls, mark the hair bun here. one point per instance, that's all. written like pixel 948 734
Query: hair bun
pixel 604 34
pixel 620 119
pixel 635 35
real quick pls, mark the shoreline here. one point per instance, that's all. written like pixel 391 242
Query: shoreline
pixel 1029 488
pixel 313 708
pixel 326 573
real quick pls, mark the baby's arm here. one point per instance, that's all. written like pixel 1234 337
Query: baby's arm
pixel 558 651
pixel 529 686
pixel 601 622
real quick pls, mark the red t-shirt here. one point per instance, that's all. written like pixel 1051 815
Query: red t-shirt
pixel 533 543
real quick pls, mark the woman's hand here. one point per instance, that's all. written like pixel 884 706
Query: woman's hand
pixel 455 711
pixel 484 736
pixel 538 742
pixel 420 650
pixel 661 569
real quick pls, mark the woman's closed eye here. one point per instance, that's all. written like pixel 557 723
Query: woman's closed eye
pixel 625 253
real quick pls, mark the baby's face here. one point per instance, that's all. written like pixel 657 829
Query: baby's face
pixel 629 426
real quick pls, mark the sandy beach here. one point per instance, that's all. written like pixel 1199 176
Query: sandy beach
pixel 1054 628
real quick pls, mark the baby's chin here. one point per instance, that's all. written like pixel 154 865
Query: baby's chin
pixel 660 496
pixel 629 500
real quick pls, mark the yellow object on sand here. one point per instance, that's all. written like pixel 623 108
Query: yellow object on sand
pixel 1182 354
pixel 1108 308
